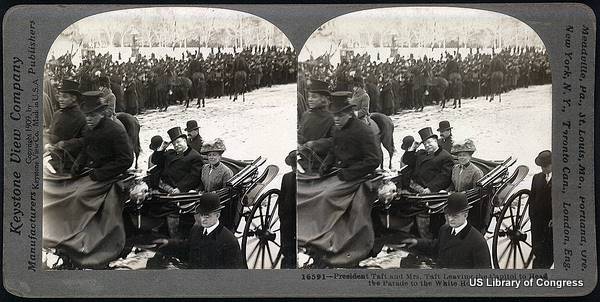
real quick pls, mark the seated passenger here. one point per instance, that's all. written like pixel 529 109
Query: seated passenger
pixel 215 174
pixel 181 170
pixel 464 177
pixel 431 172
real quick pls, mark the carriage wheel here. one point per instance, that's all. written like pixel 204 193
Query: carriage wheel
pixel 511 245
pixel 262 237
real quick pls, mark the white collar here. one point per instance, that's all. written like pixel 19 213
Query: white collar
pixel 212 228
pixel 548 176
pixel 460 228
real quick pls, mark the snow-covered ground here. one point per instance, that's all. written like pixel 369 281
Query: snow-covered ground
pixel 519 126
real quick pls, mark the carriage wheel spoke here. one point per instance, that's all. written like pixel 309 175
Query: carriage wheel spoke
pixel 277 244
pixel 270 223
pixel 274 221
pixel 512 215
pixel 270 255
pixel 520 222
pixel 509 247
pixel 268 218
pixel 526 221
pixel 528 244
pixel 277 259
pixel 519 211
pixel 262 219
pixel 259 255
pixel 515 257
pixel 262 261
pixel 254 250
pixel 521 253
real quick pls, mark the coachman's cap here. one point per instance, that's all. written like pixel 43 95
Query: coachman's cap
pixel 191 125
pixel 340 101
pixel 318 86
pixel 92 102
pixel 444 125
pixel 426 133
pixel 544 158
pixel 175 133
pixel 457 202
pixel 69 86
pixel 209 202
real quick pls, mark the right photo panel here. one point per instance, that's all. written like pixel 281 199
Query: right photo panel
pixel 424 141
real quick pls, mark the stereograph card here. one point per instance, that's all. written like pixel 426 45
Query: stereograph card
pixel 370 150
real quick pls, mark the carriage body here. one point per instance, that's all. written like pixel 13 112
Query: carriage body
pixel 243 198
pixel 507 212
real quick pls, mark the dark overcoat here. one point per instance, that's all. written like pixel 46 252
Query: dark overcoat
pixel 67 124
pixel 373 92
pixel 181 171
pixel 466 250
pixel 446 144
pixel 354 151
pixel 217 250
pixel 315 124
pixel 433 171
pixel 540 212
pixel 196 143
pixel 106 150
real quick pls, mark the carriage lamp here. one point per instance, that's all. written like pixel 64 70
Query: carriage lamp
pixel 386 193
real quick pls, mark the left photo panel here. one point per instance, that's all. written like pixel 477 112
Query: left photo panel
pixel 168 138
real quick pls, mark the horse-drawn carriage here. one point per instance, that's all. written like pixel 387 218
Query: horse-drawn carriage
pixel 255 220
pixel 508 216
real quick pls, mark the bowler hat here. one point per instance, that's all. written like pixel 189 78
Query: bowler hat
pixel 92 102
pixel 69 86
pixel 544 158
pixel 209 202
pixel 318 86
pixel 457 202
pixel 175 133
pixel 191 125
pixel 155 142
pixel 216 145
pixel 444 125
pixel 407 141
pixel 339 101
pixel 426 133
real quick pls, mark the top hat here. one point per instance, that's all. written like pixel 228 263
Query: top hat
pixel 426 133
pixel 466 146
pixel 318 86
pixel 92 102
pixel 407 141
pixel 191 125
pixel 70 87
pixel 155 142
pixel 457 202
pixel 215 146
pixel 175 133
pixel 444 125
pixel 544 158
pixel 209 202
pixel 339 101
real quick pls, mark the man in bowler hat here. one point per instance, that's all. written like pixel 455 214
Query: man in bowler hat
pixel 431 172
pixel 540 211
pixel 193 135
pixel 210 244
pixel 459 245
pixel 445 142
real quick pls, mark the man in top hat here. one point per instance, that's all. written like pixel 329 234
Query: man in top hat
pixel 431 172
pixel 67 128
pixel 316 125
pixel 540 211
pixel 459 245
pixel 354 148
pixel 181 170
pixel 210 244
pixel 193 135
pixel 445 141
pixel 106 146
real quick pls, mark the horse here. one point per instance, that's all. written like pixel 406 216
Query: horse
pixel 495 84
pixel 164 89
pixel 456 87
pixel 437 87
pixel 181 87
pixel 199 88
pixel 132 127
pixel 239 84
pixel 386 133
